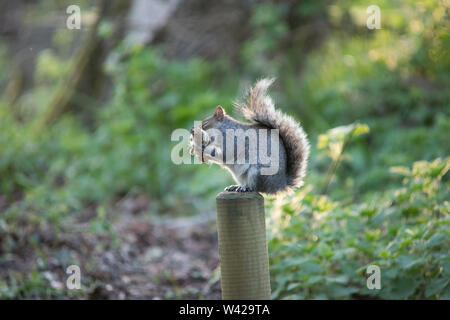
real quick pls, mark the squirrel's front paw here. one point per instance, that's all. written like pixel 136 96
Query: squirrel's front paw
pixel 199 141
pixel 238 189
pixel 231 188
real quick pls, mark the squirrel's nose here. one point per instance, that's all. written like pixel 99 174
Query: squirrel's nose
pixel 192 130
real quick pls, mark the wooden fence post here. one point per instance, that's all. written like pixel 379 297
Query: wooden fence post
pixel 244 260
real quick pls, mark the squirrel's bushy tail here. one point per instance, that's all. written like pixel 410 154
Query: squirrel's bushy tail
pixel 259 108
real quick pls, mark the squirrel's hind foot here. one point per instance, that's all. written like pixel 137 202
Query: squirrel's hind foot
pixel 235 188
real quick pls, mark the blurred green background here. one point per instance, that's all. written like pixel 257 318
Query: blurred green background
pixel 86 118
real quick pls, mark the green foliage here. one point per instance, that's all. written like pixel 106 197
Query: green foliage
pixel 335 139
pixel 321 248
pixel 128 151
pixel 36 285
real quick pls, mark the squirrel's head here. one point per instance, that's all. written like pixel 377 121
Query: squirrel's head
pixel 213 124
pixel 214 120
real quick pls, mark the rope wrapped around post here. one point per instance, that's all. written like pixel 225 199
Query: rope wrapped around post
pixel 244 260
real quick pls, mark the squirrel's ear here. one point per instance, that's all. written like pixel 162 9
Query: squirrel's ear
pixel 220 113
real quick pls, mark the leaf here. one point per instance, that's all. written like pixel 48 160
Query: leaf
pixel 294 285
pixel 341 279
pixel 402 288
pixel 304 264
pixel 404 171
pixel 360 129
pixel 314 280
pixel 408 261
pixel 436 240
pixel 296 296
pixel 335 149
pixel 340 291
pixel 325 251
pixel 343 254
pixel 323 141
pixel 436 287
pixel 297 261
pixel 311 267
pixel 384 254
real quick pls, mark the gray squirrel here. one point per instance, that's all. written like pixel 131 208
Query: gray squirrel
pixel 259 158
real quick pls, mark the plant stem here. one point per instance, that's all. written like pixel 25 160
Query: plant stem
pixel 335 163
